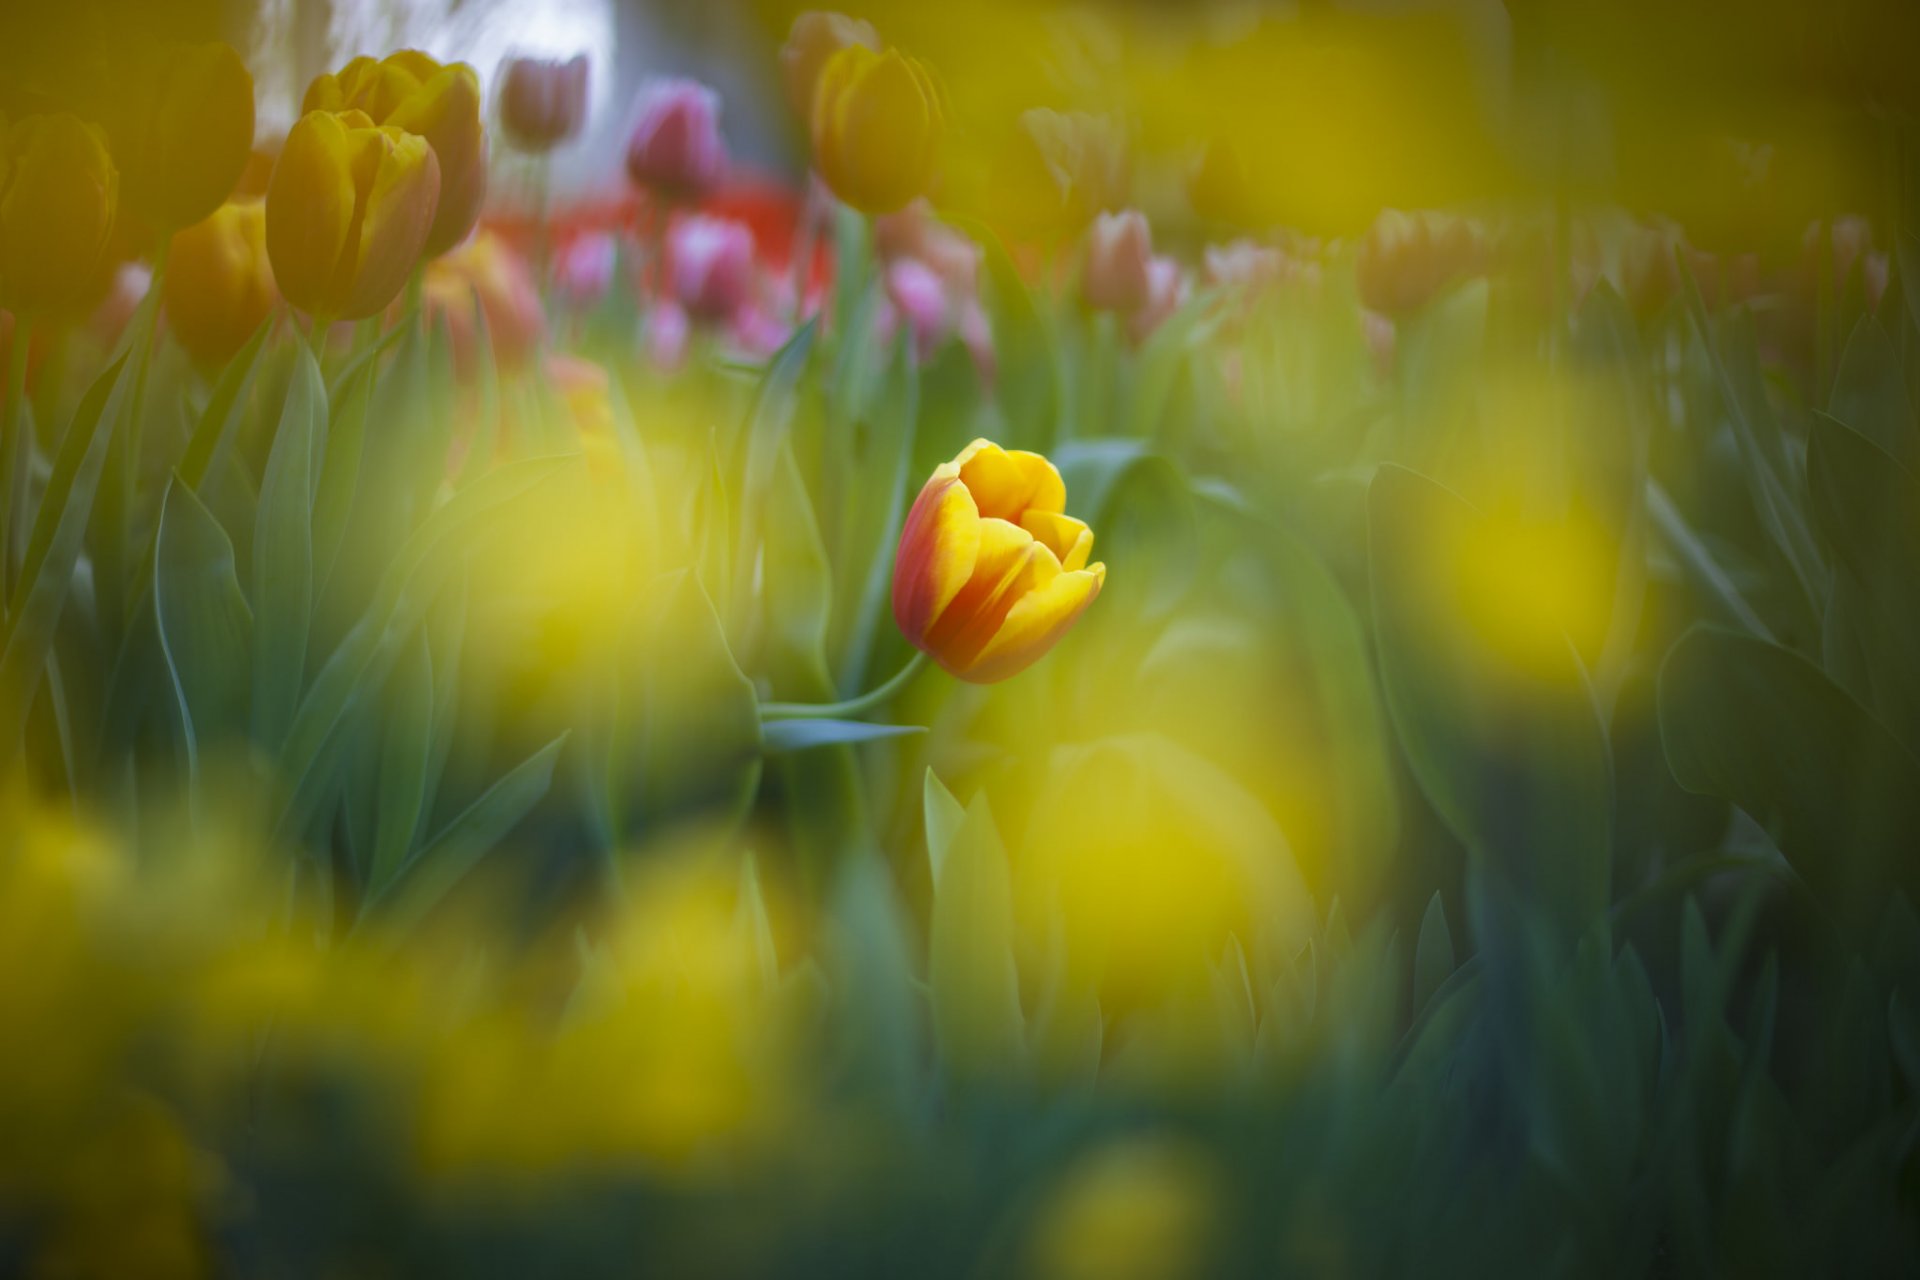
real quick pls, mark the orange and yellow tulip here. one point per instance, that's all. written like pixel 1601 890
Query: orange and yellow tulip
pixel 219 285
pixel 991 572
pixel 441 103
pixel 348 211
pixel 183 132
pixel 878 125
pixel 59 191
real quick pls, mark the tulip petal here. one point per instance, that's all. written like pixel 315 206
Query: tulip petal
pixel 938 547
pixel 1009 483
pixel 1066 537
pixel 1034 624
pixel 398 212
pixel 1010 565
pixel 310 210
pixel 445 110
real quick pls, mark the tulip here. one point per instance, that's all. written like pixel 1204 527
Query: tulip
pixel 915 232
pixel 183 133
pixel 58 194
pixel 990 571
pixel 543 102
pixel 676 148
pixel 219 283
pixel 710 265
pixel 814 38
pixel 1119 249
pixel 349 210
pixel 583 270
pixel 486 270
pixel 1406 259
pixel 878 125
pixel 411 92
pixel 918 295
pixel 1166 290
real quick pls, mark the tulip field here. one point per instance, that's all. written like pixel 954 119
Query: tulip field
pixel 1010 640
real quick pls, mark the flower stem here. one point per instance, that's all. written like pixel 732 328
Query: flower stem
pixel 852 706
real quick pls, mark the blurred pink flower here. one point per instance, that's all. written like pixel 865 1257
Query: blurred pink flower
pixel 757 331
pixel 676 147
pixel 665 336
pixel 1244 264
pixel 1166 290
pixel 1115 276
pixel 920 297
pixel 543 102
pixel 710 264
pixel 583 270
pixel 916 232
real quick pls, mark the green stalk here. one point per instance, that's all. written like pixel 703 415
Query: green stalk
pixel 15 450
pixel 852 706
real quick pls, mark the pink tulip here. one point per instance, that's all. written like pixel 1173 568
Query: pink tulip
pixel 919 296
pixel 583 271
pixel 676 146
pixel 758 332
pixel 1119 250
pixel 1166 290
pixel 543 102
pixel 915 232
pixel 710 265
pixel 665 336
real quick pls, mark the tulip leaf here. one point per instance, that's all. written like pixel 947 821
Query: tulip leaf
pixel 427 877
pixel 1866 506
pixel 339 477
pixel 213 433
pixel 778 736
pixel 880 1014
pixel 970 966
pixel 766 436
pixel 1029 376
pixel 880 486
pixel 283 553
pixel 412 579
pixel 1759 725
pixel 798 586
pixel 1432 954
pixel 204 625
pixel 687 739
pixel 54 547
pixel 943 817
pixel 405 755
pixel 1508 746
pixel 1870 394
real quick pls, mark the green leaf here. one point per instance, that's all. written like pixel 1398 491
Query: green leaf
pixel 213 433
pixel 943 816
pixel 283 554
pixel 202 616
pixel 1760 726
pixel 54 547
pixel 1870 395
pixel 879 1015
pixel 765 442
pixel 429 875
pixel 779 736
pixel 1512 755
pixel 406 751
pixel 340 470
pixel 1432 954
pixel 970 967
pixel 798 593
pixel 878 487
pixel 1028 381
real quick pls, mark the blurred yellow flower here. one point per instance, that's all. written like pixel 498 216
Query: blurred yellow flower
pixel 991 572
pixel 441 103
pixel 182 132
pixel 59 190
pixel 878 125
pixel 1138 1209
pixel 812 41
pixel 348 211
pixel 219 283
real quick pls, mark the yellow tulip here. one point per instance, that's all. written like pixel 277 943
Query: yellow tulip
pixel 348 211
pixel 219 285
pixel 878 125
pixel 58 193
pixel 991 572
pixel 183 132
pixel 441 103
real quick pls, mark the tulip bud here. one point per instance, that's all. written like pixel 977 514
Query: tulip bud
pixel 348 212
pixel 919 296
pixel 219 284
pixel 441 104
pixel 814 38
pixel 1119 249
pixel 59 191
pixel 990 572
pixel 583 269
pixel 878 125
pixel 1406 259
pixel 710 265
pixel 543 102
pixel 183 133
pixel 676 146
